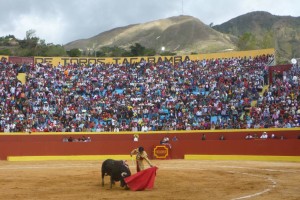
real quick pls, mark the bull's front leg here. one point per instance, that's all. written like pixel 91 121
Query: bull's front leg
pixel 126 187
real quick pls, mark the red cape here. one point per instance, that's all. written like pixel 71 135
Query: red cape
pixel 142 180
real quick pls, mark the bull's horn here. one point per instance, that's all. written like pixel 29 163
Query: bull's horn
pixel 123 174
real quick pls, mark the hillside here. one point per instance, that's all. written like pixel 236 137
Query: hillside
pixel 285 30
pixel 181 34
pixel 184 35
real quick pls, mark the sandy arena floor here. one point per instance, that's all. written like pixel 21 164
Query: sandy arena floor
pixel 176 179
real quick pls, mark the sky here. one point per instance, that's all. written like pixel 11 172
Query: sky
pixel 63 21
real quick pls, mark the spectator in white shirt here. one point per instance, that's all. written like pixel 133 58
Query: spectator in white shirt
pixel 264 135
pixel 144 128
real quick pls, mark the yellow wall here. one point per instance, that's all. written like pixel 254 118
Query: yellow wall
pixel 4 56
pixel 175 59
pixel 22 77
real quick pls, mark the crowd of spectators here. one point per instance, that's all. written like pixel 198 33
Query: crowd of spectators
pixel 80 139
pixel 190 95
pixel 279 105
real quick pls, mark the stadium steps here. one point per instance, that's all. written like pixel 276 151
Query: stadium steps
pixel 254 103
pixel 22 77
pixel 264 89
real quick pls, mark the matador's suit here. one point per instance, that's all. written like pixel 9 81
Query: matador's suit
pixel 141 155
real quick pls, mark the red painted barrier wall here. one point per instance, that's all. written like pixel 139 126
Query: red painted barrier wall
pixel 188 143
pixel 21 60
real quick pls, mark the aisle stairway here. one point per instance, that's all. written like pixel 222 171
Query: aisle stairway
pixel 254 103
pixel 22 77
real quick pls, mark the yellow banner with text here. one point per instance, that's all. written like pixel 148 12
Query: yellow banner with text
pixel 55 61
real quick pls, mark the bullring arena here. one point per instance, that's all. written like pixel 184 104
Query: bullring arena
pixel 194 169
pixel 38 162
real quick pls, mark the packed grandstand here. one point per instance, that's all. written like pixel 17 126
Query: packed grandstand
pixel 206 94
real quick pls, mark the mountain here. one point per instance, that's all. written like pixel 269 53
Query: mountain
pixel 186 34
pixel 180 34
pixel 285 30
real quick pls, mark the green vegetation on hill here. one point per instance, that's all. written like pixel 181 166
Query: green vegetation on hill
pixel 248 41
pixel 34 46
pixel 31 45
pixel 263 30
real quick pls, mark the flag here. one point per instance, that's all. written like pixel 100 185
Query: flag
pixel 142 180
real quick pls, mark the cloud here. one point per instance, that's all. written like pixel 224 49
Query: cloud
pixel 63 21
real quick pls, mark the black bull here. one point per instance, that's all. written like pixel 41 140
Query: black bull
pixel 117 170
